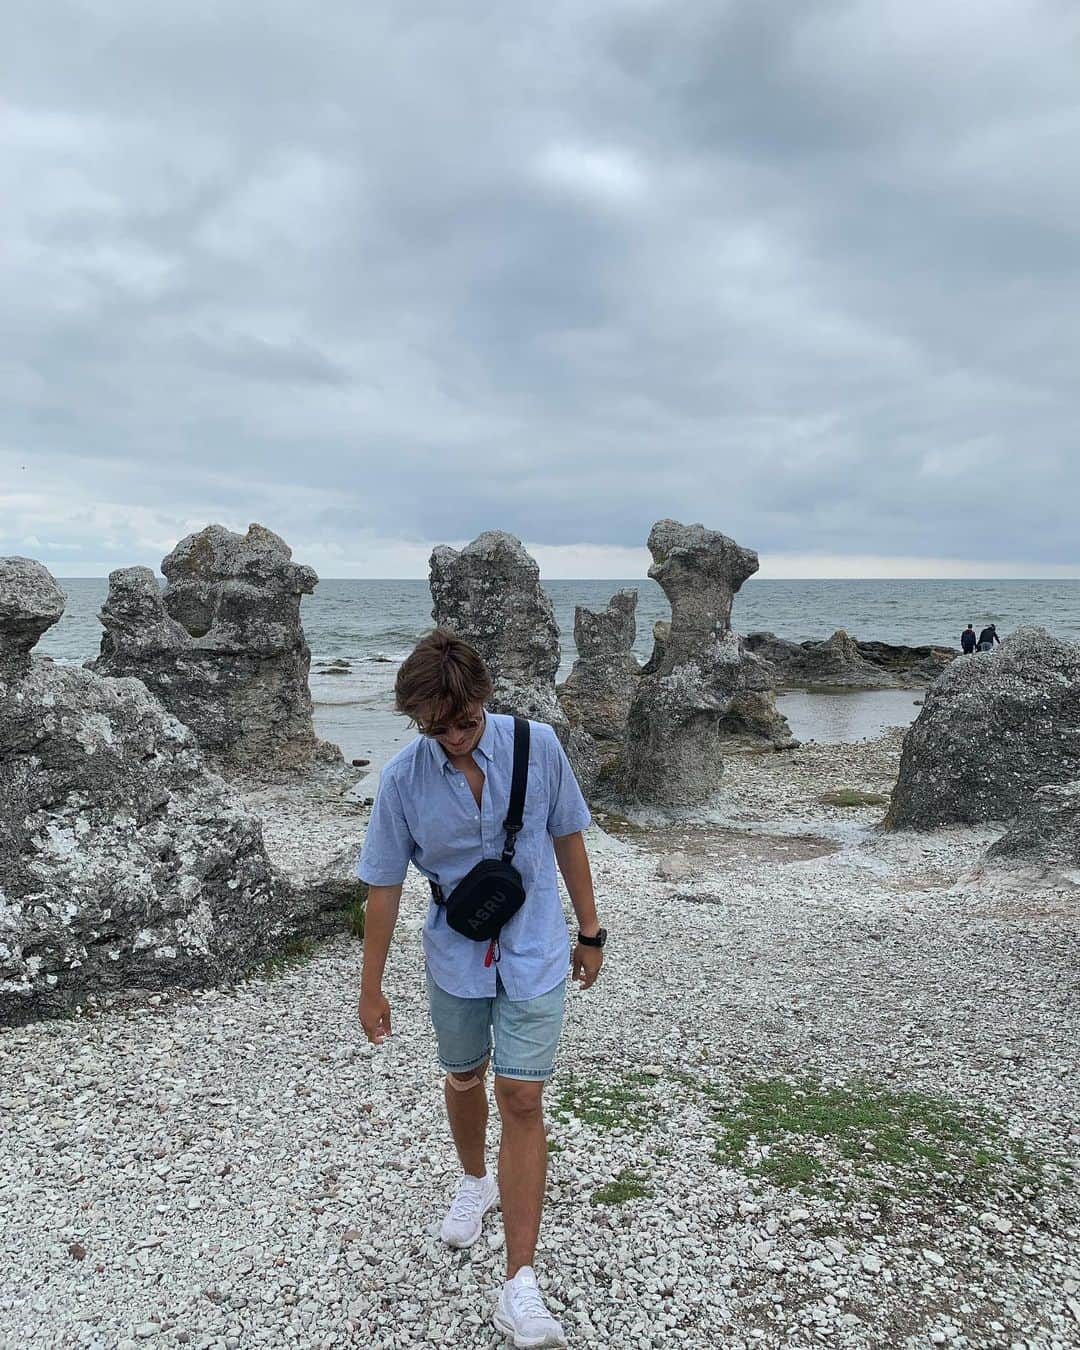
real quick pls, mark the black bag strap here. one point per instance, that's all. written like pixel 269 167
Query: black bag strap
pixel 515 812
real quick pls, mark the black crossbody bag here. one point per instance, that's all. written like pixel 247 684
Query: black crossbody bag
pixel 491 893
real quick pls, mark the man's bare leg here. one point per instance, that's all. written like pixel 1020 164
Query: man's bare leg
pixel 467 1109
pixel 522 1167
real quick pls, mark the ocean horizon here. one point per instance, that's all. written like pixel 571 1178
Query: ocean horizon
pixel 357 618
pixel 373 625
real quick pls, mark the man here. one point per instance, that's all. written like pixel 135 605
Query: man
pixel 987 638
pixel 968 640
pixel 441 804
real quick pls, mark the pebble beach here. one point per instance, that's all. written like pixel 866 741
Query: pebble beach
pixel 240 1167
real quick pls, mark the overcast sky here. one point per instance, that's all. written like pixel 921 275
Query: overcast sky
pixel 386 274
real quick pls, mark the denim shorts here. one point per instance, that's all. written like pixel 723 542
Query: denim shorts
pixel 526 1033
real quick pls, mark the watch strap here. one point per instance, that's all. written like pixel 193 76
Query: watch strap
pixel 597 941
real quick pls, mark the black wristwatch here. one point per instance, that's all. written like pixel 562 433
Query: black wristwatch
pixel 597 941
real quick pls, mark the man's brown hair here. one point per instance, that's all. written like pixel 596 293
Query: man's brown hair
pixel 441 678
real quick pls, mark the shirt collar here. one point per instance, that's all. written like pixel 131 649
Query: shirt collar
pixel 487 740
pixel 486 745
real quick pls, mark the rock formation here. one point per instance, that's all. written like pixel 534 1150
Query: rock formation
pixel 30 603
pixel 836 662
pixel 911 666
pixel 600 687
pixel 222 647
pixel 844 662
pixel 700 688
pixel 489 593
pixel 123 862
pixel 1046 837
pixel 996 728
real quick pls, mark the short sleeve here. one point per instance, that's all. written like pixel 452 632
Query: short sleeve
pixel 388 845
pixel 568 812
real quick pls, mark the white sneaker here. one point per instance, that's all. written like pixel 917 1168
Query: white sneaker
pixel 472 1200
pixel 520 1313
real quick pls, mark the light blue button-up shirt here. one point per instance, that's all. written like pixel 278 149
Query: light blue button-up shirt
pixel 425 813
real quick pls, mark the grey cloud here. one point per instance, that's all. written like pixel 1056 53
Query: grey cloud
pixel 258 359
pixel 808 275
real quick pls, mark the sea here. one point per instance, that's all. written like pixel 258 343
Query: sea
pixel 373 624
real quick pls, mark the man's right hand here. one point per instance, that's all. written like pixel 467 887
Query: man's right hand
pixel 374 1013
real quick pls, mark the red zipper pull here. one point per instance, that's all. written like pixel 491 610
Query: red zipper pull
pixel 490 953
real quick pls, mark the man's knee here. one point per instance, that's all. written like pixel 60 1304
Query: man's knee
pixel 468 1079
pixel 519 1098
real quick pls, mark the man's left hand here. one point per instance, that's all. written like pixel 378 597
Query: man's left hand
pixel 587 963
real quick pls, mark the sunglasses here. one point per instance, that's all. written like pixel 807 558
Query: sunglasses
pixel 438 729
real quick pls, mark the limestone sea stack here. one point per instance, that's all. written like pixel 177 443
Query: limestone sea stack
pixel 123 862
pixel 490 595
pixel 222 647
pixel 700 688
pixel 600 687
pixel 996 730
pixel 30 603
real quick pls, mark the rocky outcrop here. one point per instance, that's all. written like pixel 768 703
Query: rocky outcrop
pixel 123 861
pixel 838 662
pixel 910 666
pixel 489 593
pixel 834 663
pixel 781 657
pixel 222 647
pixel 600 687
pixel 30 603
pixel 700 688
pixel 995 730
pixel 1045 839
pixel 844 662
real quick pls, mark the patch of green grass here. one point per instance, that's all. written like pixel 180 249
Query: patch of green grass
pixel 818 1140
pixel 606 1103
pixel 555 1147
pixel 852 797
pixel 292 952
pixel 628 1185
pixel 356 912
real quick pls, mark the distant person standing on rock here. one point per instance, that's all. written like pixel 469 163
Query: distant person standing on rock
pixel 987 638
pixel 444 804
pixel 968 640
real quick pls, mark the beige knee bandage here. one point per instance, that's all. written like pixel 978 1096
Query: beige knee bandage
pixel 467 1085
